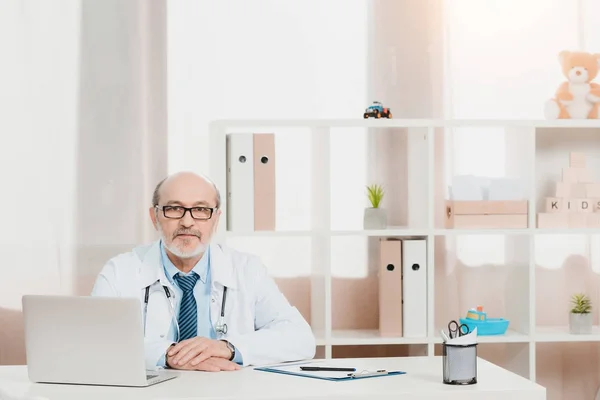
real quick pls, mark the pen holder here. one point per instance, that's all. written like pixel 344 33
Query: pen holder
pixel 459 364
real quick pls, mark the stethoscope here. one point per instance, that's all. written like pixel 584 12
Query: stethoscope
pixel 220 328
pixel 170 299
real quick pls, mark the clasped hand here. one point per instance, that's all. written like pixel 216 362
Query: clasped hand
pixel 201 354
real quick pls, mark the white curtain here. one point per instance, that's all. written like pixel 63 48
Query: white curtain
pixel 238 59
pixel 83 129
pixel 38 125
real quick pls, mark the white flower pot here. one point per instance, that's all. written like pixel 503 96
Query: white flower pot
pixel 580 323
pixel 375 218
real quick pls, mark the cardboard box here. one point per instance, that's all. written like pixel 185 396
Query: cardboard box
pixel 486 214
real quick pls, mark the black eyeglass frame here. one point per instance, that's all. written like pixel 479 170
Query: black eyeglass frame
pixel 185 210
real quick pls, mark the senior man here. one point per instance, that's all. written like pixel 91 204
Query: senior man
pixel 205 306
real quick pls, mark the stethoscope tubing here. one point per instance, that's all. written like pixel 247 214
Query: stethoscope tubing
pixel 220 328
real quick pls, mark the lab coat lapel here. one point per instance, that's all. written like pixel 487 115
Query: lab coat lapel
pixel 159 317
pixel 221 267
pixel 222 274
pixel 152 269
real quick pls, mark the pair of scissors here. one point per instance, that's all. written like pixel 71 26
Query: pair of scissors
pixel 455 329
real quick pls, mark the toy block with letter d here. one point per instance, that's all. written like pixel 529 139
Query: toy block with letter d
pixel 575 201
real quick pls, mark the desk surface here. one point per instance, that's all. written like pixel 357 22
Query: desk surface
pixel 423 380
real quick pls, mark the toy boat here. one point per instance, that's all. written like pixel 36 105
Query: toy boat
pixel 477 318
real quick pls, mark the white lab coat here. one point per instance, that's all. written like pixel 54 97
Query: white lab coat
pixel 261 323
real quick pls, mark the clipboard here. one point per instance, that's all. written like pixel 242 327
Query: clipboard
pixel 329 376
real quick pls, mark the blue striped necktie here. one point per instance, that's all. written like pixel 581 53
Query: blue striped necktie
pixel 188 313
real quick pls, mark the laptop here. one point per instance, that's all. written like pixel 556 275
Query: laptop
pixel 87 341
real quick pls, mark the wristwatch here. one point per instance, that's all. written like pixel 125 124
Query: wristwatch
pixel 231 348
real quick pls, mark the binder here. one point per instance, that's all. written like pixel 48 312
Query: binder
pixel 264 181
pixel 390 288
pixel 414 287
pixel 240 182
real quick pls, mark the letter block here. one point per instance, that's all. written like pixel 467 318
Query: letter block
pixel 584 205
pixel 578 190
pixel 569 205
pixel 593 220
pixel 570 175
pixel 577 160
pixel 592 190
pixel 563 189
pixel 552 220
pixel 554 204
pixel 577 220
pixel 576 175
pixel 584 175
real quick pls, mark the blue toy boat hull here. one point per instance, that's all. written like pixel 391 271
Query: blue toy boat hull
pixel 490 327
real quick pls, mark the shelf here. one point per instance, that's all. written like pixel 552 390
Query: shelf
pixel 391 231
pixel 401 123
pixel 368 337
pixel 453 232
pixel 561 334
pixel 509 337
pixel 290 233
pixel 525 275
pixel 567 231
pixel 399 231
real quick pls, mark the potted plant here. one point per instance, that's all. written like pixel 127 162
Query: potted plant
pixel 580 318
pixel 375 217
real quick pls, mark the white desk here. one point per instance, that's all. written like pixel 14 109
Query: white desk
pixel 423 381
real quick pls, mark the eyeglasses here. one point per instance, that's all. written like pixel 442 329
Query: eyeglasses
pixel 177 212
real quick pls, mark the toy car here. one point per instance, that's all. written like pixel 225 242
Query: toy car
pixel 377 110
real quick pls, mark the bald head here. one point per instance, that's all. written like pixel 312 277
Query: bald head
pixel 187 185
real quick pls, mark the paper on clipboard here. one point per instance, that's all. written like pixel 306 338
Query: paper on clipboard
pixel 314 374
pixel 294 369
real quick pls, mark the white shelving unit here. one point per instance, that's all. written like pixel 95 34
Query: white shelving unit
pixel 524 334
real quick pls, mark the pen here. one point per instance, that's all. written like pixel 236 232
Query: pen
pixel 444 336
pixel 368 374
pixel 327 369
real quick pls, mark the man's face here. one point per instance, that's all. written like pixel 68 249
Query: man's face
pixel 186 236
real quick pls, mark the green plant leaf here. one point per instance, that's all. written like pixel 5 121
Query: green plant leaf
pixel 375 194
pixel 581 304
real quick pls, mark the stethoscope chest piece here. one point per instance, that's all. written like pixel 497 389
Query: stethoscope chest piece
pixel 221 327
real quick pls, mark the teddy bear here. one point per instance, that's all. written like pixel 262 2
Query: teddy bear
pixel 578 97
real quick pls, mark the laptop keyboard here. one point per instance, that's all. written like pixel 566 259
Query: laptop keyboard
pixel 151 376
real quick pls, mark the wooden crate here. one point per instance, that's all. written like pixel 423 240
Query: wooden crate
pixel 484 214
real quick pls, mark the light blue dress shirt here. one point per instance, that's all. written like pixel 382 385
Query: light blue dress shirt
pixel 201 294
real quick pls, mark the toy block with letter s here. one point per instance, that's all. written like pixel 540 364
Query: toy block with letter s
pixel 575 202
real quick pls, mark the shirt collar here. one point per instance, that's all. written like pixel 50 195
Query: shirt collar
pixel 201 267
